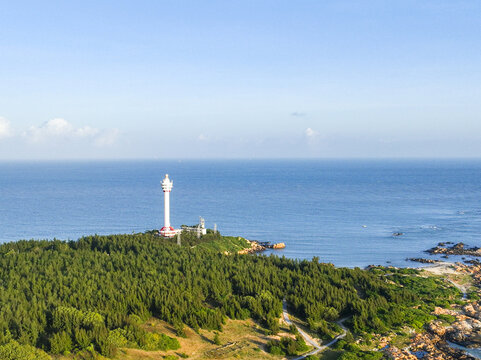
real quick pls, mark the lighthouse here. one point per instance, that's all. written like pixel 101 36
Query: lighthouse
pixel 167 230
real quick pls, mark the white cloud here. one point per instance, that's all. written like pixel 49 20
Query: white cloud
pixel 106 137
pixel 5 128
pixel 86 131
pixel 55 128
pixel 311 133
pixel 202 137
pixel 61 129
pixel 312 137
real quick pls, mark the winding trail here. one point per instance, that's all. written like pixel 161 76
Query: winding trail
pixel 461 288
pixel 317 348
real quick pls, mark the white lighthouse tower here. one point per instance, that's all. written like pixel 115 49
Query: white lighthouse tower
pixel 167 230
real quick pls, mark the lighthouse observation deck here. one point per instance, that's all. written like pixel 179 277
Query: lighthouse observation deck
pixel 167 184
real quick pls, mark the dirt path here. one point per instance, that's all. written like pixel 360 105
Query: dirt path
pixel 317 348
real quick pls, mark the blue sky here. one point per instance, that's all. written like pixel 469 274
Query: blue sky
pixel 239 79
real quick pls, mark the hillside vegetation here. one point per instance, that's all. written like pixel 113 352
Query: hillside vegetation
pixel 61 297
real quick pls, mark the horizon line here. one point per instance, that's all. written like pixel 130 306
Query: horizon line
pixel 407 158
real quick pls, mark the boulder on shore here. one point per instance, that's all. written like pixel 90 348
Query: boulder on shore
pixel 423 261
pixel 456 249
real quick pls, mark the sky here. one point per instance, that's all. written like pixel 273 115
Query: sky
pixel 240 79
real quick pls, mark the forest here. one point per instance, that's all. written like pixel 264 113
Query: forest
pixel 94 293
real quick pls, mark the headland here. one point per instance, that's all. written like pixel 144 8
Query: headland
pixel 140 296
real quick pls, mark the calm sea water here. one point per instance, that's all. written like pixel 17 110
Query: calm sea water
pixel 344 212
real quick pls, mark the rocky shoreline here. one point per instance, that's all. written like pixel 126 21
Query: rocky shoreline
pixel 445 250
pixel 426 346
pixel 465 330
pixel 464 327
pixel 423 261
pixel 256 246
pixel 456 249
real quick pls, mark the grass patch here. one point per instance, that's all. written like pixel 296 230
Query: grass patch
pixel 231 244
pixel 330 354
pixel 401 341
pixel 197 345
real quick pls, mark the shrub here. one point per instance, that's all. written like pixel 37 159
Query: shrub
pixel 61 343
pixel 301 345
pixel 14 351
pixel 118 337
pixel 473 296
pixel 447 318
pixel 83 338
pixel 293 329
pixel 168 343
pixel 275 350
pixel 217 339
pixel 179 330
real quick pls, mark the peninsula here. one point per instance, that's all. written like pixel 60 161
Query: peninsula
pixel 141 296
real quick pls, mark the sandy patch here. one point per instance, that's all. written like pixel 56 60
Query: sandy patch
pixel 441 269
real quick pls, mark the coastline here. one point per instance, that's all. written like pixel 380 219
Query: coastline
pixel 330 229
pixel 256 246
pixel 463 333
pixel 440 340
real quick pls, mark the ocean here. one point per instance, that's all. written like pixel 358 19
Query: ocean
pixel 342 211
